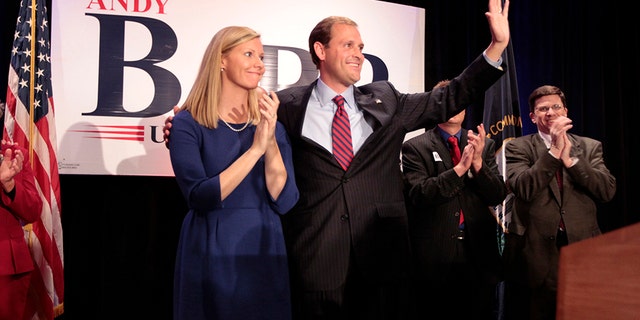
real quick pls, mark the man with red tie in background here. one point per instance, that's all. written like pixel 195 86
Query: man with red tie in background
pixel 558 178
pixel 452 180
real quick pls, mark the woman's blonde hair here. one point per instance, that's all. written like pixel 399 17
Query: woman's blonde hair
pixel 204 99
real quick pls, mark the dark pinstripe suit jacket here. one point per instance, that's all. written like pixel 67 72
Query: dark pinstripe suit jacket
pixel 435 193
pixel 361 212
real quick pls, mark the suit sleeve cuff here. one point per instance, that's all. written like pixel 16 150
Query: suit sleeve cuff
pixel 495 64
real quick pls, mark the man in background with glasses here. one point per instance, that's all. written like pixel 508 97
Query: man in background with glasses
pixel 557 178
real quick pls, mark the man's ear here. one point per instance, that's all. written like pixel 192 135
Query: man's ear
pixel 319 49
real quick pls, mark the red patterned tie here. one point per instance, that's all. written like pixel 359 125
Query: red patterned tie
pixel 454 149
pixel 455 156
pixel 341 134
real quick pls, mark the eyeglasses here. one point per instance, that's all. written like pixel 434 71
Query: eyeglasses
pixel 545 109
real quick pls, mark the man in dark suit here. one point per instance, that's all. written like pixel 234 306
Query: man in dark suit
pixel 558 178
pixel 451 226
pixel 347 237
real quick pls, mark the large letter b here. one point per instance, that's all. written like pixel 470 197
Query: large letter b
pixel 111 67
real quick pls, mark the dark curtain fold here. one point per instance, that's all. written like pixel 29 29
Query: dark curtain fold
pixel 120 232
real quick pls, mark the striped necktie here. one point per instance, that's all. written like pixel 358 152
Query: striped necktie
pixel 341 134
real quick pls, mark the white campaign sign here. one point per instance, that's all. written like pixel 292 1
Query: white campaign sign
pixel 119 67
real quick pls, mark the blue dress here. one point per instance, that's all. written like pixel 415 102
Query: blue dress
pixel 231 261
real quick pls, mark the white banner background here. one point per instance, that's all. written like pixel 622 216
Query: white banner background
pixel 87 144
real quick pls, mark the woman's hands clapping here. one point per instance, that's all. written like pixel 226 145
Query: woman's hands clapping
pixel 266 128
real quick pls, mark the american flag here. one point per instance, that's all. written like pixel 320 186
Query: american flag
pixel 29 120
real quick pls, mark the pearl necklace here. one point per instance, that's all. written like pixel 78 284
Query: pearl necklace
pixel 234 129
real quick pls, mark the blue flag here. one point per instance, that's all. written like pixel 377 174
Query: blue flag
pixel 502 122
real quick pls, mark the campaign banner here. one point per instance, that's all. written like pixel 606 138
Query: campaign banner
pixel 119 67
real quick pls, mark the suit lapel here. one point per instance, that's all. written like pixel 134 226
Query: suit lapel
pixel 296 108
pixel 374 112
pixel 576 147
pixel 541 149
pixel 439 146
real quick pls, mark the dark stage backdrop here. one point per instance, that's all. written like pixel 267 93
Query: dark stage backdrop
pixel 120 232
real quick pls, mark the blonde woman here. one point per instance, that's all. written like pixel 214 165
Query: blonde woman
pixel 233 163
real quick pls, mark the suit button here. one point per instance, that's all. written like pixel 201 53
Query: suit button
pixel 345 180
pixel 344 217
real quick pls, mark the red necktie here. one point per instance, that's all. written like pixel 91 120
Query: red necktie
pixel 341 134
pixel 454 149
pixel 559 179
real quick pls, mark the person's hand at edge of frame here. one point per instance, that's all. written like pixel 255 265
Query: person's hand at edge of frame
pixel 167 126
